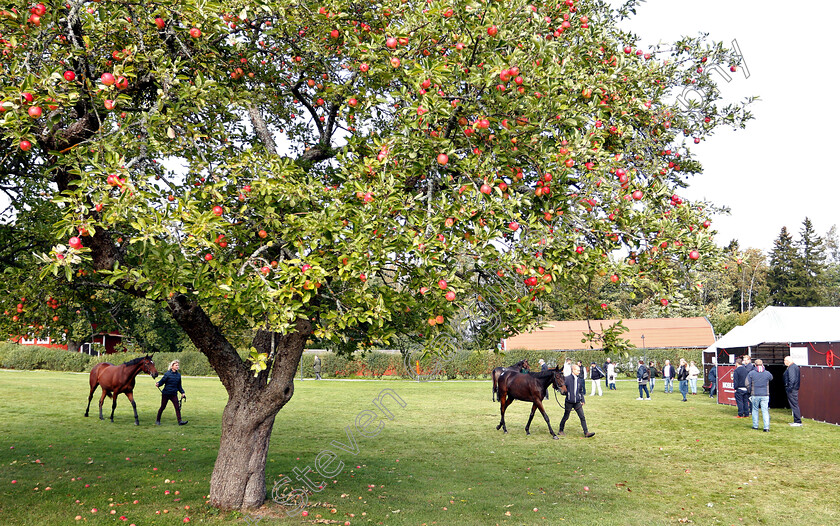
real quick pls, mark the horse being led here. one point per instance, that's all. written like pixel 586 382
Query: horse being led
pixel 519 367
pixel 529 387
pixel 118 379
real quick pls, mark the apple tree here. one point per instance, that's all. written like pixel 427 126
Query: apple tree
pixel 349 171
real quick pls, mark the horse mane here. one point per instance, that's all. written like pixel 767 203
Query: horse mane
pixel 542 374
pixel 520 363
pixel 135 361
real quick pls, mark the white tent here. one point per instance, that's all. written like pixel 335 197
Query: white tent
pixel 784 325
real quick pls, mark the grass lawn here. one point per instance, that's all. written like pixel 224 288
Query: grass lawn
pixel 439 461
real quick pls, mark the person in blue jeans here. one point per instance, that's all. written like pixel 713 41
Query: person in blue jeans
pixel 668 374
pixel 682 377
pixel 758 384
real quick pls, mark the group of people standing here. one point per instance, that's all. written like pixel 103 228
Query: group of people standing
pixel 687 375
pixel 752 390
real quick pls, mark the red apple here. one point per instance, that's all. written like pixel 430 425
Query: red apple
pixel 208 257
pixel 69 76
pixel 485 188
pixel 122 83
pixel 75 243
pixel 108 79
pixel 35 112
pixel 391 42
pixel 513 225
pixel 664 302
pixel 638 194
pixel 442 159
pixel 195 32
pixel 25 145
pixel 160 23
pixel 614 278
pixel 305 267
pixel 352 102
pixel 694 254
pixel 450 296
pixel 442 284
pixel 492 31
pixel 110 104
pixel 263 234
pixel 218 210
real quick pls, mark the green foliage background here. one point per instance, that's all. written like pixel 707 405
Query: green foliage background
pixel 373 364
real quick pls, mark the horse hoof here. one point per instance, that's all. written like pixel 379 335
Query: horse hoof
pixel 136 423
pixel 506 431
pixel 555 437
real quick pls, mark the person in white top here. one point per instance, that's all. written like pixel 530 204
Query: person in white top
pixel 611 376
pixel 668 373
pixel 693 373
pixel 567 367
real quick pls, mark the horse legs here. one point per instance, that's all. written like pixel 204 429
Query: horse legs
pixel 113 407
pixel 528 425
pixel 538 403
pixel 504 402
pixel 130 396
pixel 90 397
pixel 102 401
pixel 495 385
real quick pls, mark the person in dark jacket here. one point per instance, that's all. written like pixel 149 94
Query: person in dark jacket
pixel 739 379
pixel 682 377
pixel 653 374
pixel 595 374
pixel 575 391
pixel 171 383
pixel 758 384
pixel 643 377
pixel 791 378
pixel 713 381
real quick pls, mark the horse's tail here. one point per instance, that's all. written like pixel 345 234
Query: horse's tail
pixel 495 384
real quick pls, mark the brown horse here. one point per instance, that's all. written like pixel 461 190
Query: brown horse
pixel 529 387
pixel 518 367
pixel 118 379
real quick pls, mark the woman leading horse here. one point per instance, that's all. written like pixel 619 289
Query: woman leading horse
pixel 171 383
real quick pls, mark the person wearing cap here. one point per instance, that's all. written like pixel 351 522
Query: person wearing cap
pixel 758 384
pixel 595 374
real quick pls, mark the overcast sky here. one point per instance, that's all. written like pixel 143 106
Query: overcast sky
pixel 781 168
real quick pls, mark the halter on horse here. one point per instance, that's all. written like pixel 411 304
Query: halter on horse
pixel 118 379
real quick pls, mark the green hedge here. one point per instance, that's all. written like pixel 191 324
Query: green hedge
pixel 464 364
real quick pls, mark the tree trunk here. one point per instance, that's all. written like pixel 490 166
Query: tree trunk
pixel 73 345
pixel 238 480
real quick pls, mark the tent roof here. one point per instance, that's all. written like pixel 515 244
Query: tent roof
pixel 657 332
pixel 784 325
